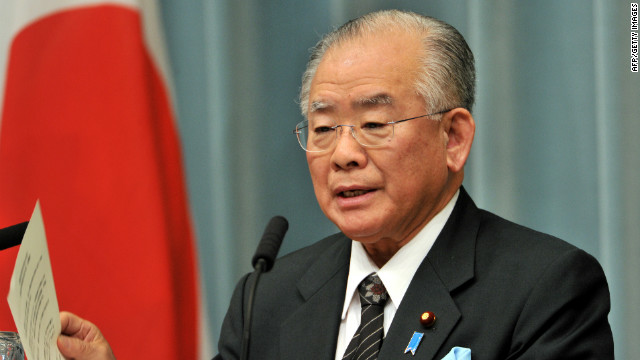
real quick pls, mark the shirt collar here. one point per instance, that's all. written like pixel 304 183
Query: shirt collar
pixel 397 273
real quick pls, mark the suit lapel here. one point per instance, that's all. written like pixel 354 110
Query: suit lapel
pixel 426 293
pixel 311 332
pixel 449 264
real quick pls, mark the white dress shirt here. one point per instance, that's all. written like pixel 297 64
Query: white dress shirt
pixel 396 275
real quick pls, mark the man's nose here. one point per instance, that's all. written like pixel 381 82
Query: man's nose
pixel 348 152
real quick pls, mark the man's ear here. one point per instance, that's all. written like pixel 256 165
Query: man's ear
pixel 460 130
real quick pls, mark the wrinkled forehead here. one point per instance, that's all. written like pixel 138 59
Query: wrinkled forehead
pixel 366 72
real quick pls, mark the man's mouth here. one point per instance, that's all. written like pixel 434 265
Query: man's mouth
pixel 353 193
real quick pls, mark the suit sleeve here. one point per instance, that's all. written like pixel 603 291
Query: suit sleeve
pixel 230 342
pixel 565 316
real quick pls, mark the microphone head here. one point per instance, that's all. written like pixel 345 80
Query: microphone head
pixel 270 243
pixel 12 235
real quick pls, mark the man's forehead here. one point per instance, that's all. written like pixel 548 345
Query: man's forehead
pixel 365 72
pixel 358 102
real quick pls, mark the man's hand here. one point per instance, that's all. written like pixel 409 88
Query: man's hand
pixel 81 340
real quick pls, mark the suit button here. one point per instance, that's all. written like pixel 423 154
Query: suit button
pixel 427 319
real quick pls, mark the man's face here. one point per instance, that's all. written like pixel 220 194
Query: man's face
pixel 380 196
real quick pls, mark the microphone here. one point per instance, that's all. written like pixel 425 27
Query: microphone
pixel 270 243
pixel 263 261
pixel 12 235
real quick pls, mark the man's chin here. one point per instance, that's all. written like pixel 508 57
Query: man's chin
pixel 364 236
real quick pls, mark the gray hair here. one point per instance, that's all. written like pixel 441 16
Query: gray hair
pixel 447 77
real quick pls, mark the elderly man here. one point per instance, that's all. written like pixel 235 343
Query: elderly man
pixel 417 270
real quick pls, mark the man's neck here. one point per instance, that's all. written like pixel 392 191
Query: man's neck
pixel 381 251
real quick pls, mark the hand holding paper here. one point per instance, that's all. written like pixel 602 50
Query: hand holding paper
pixel 45 332
pixel 82 340
pixel 32 294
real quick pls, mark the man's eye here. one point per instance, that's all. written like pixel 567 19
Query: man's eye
pixel 323 129
pixel 372 125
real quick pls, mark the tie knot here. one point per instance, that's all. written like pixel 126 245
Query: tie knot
pixel 372 291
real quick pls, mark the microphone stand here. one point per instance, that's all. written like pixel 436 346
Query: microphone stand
pixel 260 267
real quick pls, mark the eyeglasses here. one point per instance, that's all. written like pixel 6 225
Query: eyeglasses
pixel 321 134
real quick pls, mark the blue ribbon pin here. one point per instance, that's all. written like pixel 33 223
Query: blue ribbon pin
pixel 414 342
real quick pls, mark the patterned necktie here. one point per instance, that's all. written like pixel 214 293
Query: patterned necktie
pixel 367 340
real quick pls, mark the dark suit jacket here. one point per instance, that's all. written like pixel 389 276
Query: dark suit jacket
pixel 502 290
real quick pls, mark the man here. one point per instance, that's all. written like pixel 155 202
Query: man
pixel 387 99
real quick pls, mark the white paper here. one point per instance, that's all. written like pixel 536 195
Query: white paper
pixel 32 294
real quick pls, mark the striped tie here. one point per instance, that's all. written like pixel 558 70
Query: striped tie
pixel 367 340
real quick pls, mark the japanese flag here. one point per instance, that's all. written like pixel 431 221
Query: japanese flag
pixel 87 127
